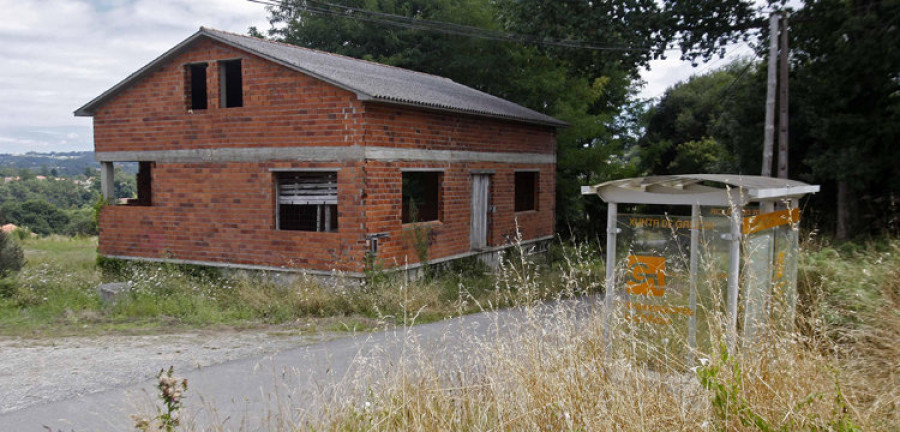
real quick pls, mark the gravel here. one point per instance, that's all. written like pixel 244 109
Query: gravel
pixel 39 371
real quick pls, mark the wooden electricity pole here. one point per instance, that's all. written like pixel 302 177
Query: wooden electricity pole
pixel 783 101
pixel 769 133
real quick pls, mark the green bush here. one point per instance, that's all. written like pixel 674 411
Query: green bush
pixel 11 256
pixel 7 287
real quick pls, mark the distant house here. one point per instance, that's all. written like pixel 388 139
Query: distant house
pixel 262 155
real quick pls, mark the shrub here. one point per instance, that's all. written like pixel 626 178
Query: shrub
pixel 11 256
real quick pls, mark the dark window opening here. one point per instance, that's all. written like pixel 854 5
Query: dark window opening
pixel 195 86
pixel 421 196
pixel 526 191
pixel 144 185
pixel 307 201
pixel 231 93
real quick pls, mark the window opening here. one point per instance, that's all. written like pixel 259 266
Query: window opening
pixel 230 84
pixel 526 191
pixel 143 185
pixel 195 86
pixel 307 201
pixel 421 196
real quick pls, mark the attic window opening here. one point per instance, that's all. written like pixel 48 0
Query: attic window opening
pixel 421 194
pixel 231 93
pixel 195 86
pixel 307 201
pixel 526 190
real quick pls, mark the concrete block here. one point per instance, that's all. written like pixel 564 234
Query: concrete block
pixel 109 292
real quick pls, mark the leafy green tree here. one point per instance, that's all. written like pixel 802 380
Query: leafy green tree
pixel 81 222
pixel 11 256
pixel 26 174
pixel 846 97
pixel 124 184
pixel 709 123
pixel 38 215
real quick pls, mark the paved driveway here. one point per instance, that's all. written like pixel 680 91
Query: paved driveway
pixel 259 393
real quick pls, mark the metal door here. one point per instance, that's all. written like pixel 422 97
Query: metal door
pixel 481 206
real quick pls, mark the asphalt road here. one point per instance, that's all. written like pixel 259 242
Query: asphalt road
pixel 261 393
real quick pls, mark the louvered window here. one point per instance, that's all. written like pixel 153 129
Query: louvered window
pixel 307 201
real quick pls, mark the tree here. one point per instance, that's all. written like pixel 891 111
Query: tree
pixel 845 101
pixel 710 123
pixel 847 96
pixel 38 215
pixel 11 256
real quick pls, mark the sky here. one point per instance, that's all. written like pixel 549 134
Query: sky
pixel 57 55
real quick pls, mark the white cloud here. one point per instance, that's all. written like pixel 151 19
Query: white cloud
pixel 663 74
pixel 59 54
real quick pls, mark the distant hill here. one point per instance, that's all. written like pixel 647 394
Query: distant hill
pixel 66 164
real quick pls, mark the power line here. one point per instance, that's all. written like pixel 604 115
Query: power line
pixel 331 9
pixel 712 63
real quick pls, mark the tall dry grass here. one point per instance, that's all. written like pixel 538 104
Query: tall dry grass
pixel 549 368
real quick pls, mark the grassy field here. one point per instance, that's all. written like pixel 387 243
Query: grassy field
pixel 55 294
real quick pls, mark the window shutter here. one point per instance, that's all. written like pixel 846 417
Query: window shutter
pixel 308 189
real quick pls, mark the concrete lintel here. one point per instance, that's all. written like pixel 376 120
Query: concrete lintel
pixel 321 154
pixel 276 170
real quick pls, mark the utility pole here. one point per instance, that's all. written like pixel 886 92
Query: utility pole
pixel 769 133
pixel 783 101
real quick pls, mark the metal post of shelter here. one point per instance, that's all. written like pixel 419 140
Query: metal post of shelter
pixel 734 272
pixel 793 271
pixel 609 297
pixel 695 246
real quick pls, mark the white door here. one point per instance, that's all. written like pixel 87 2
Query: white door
pixel 481 206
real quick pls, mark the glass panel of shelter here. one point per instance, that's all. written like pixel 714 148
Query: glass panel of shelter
pixel 655 285
pixel 654 257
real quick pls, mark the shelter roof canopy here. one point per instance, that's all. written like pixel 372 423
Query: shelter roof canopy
pixel 699 189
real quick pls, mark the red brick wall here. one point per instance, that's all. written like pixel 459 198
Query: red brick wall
pixel 392 126
pixel 281 108
pixel 225 212
pixel 395 126
pixel 451 233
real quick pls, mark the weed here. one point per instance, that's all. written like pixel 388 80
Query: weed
pixel 171 393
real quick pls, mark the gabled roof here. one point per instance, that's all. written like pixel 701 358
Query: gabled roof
pixel 689 189
pixel 368 80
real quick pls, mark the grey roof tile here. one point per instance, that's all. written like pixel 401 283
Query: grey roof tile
pixel 368 80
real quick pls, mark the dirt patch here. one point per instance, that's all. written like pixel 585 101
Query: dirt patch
pixel 37 371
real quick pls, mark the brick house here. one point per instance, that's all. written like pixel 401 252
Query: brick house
pixel 261 155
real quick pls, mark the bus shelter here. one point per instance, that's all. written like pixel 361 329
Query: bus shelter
pixel 742 230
